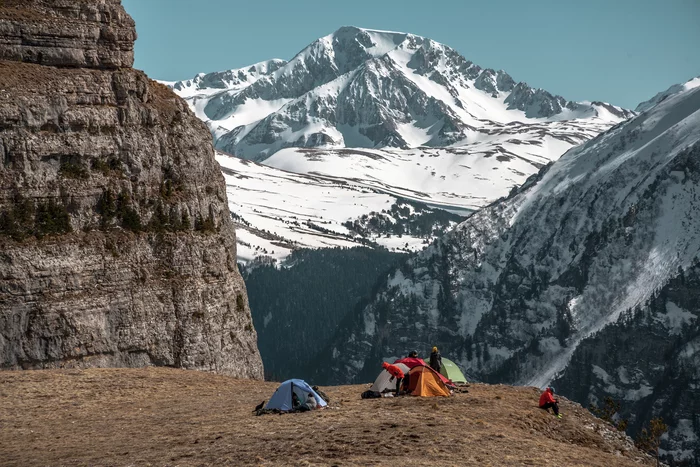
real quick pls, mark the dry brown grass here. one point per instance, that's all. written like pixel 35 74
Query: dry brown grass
pixel 159 416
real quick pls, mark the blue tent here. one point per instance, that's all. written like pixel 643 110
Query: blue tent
pixel 282 398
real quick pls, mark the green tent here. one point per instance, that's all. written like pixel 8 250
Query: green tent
pixel 451 371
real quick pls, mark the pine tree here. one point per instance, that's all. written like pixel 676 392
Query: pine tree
pixel 649 439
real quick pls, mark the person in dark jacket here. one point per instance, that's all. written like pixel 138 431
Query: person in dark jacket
pixel 435 360
pixel 395 372
pixel 547 400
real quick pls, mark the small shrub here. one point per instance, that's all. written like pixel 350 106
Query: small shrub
pixel 131 220
pixel 186 224
pixel 128 216
pixel 175 221
pixel 159 220
pixel 112 165
pixel 75 171
pixel 106 207
pixel 99 165
pixel 240 303
pixel 51 218
pixel 17 221
pixel 204 225
pixel 610 408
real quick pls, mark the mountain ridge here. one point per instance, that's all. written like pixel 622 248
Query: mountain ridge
pixel 511 292
pixel 348 66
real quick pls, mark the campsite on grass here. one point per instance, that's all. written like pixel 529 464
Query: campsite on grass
pixel 409 376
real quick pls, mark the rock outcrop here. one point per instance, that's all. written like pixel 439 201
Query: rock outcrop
pixel 116 243
pixel 83 33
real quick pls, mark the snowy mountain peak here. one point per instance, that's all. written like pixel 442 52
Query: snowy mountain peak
pixel 204 83
pixel 367 88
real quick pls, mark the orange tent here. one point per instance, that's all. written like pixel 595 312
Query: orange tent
pixel 424 381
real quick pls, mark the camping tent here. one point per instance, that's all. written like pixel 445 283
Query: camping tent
pixel 452 372
pixel 410 361
pixel 282 398
pixel 384 383
pixel 426 382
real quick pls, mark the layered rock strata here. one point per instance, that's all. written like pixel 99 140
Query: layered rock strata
pixel 116 243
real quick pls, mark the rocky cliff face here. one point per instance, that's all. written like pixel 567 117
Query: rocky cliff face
pixel 67 33
pixel 117 243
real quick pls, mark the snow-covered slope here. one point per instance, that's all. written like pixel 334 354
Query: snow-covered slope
pixel 358 91
pixel 465 177
pixel 512 291
pixel 276 212
pixel 673 90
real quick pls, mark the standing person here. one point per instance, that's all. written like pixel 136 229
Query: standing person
pixel 435 360
pixel 395 372
pixel 547 400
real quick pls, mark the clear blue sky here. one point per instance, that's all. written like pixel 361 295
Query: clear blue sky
pixel 619 51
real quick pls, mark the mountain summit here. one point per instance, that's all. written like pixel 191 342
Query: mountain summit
pixel 398 112
pixel 364 88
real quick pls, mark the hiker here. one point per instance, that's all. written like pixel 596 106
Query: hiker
pixel 547 400
pixel 435 360
pixel 413 354
pixel 395 372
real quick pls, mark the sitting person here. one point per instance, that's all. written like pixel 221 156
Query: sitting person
pixel 311 403
pixel 296 403
pixel 547 400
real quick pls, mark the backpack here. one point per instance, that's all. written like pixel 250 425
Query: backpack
pixel 322 394
pixel 369 394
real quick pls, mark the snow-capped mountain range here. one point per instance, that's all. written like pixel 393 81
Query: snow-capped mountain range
pixel 587 243
pixel 395 114
pixel 366 105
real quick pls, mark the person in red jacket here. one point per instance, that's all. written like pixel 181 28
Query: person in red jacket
pixel 395 372
pixel 547 400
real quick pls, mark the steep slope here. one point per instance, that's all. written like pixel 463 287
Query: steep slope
pixel 512 291
pixel 307 299
pixel 117 244
pixel 648 361
pixel 359 89
pixel 660 97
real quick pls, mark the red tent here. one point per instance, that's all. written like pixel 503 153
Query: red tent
pixel 411 362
